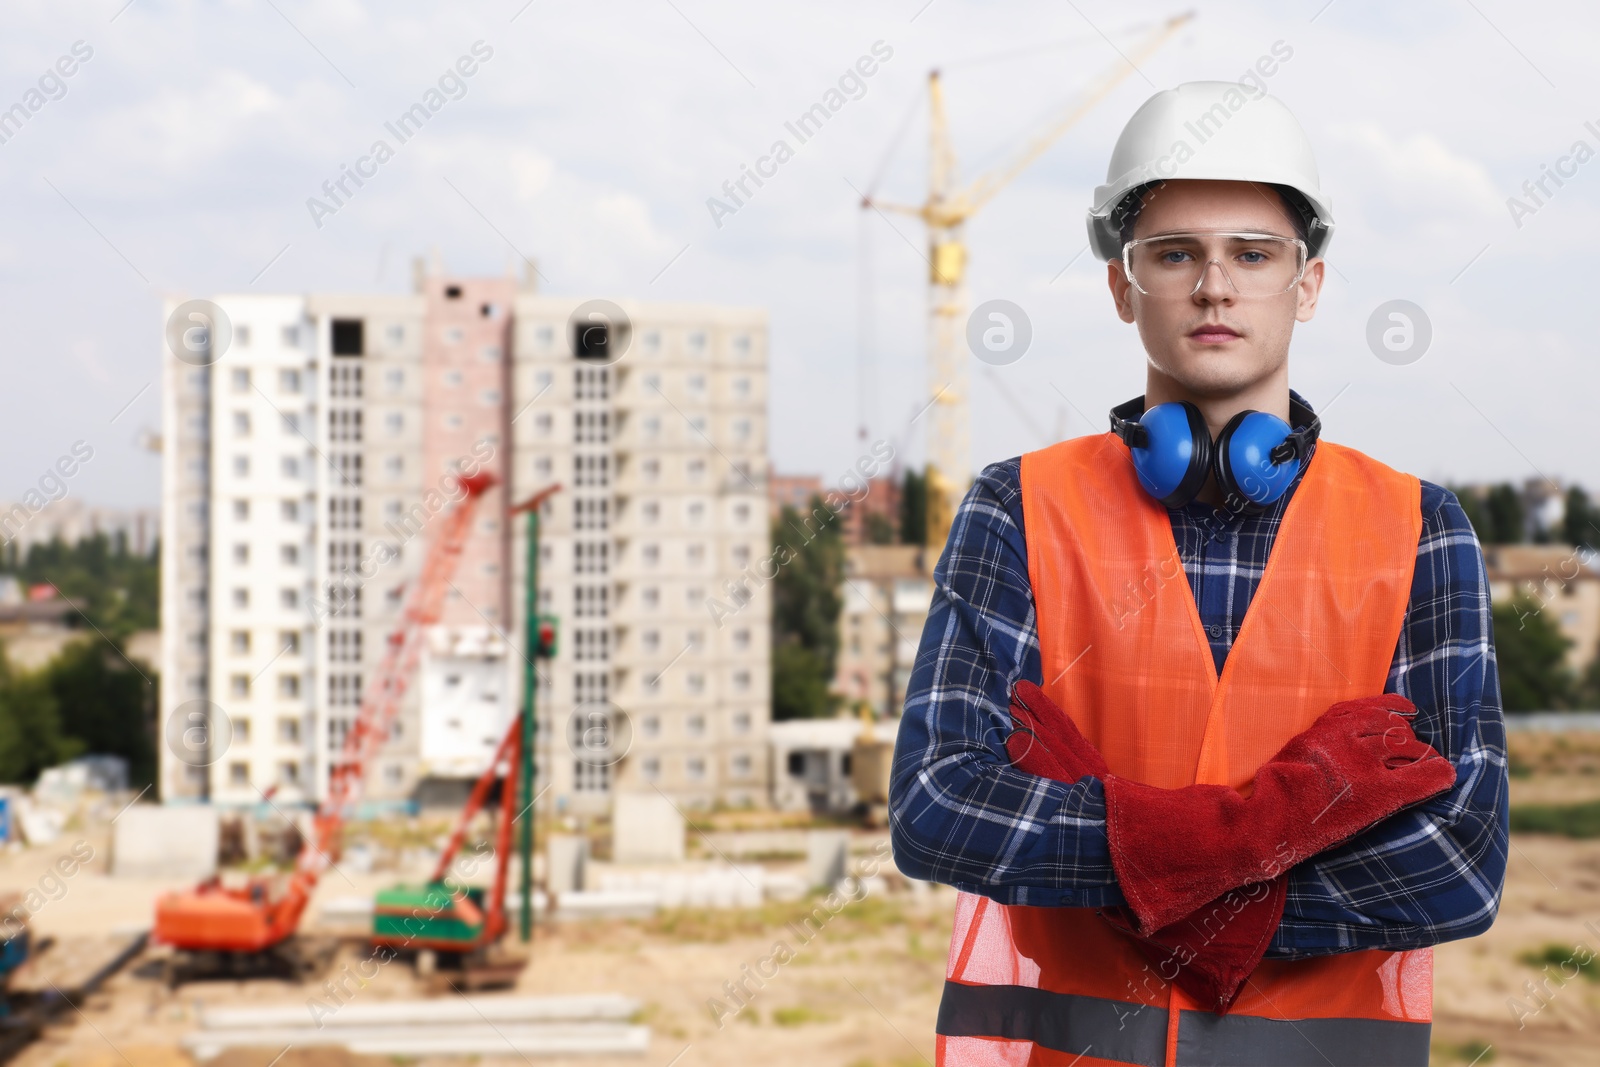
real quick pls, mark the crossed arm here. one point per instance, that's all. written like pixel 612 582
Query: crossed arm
pixel 960 814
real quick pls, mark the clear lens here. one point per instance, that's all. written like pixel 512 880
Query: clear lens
pixel 1171 265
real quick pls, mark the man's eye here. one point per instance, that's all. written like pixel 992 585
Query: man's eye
pixel 1167 257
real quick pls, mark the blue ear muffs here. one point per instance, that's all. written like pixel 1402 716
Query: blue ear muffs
pixel 1255 458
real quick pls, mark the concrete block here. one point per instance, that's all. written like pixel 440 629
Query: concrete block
pixel 566 857
pixel 153 841
pixel 646 828
pixel 827 856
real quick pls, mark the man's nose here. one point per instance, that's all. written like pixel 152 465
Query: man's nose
pixel 1214 286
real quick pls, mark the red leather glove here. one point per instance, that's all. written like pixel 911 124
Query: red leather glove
pixel 1178 852
pixel 1175 849
pixel 1208 953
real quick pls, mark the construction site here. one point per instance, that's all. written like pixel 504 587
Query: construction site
pixel 500 698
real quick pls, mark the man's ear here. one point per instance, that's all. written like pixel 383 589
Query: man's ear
pixel 1122 289
pixel 1309 289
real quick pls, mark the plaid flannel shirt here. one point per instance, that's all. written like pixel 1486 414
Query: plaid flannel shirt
pixel 960 814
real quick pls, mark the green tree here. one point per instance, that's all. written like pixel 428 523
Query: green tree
pixel 116 590
pixel 1531 651
pixel 105 705
pixel 914 509
pixel 1503 509
pixel 31 738
pixel 1580 526
pixel 880 531
pixel 805 611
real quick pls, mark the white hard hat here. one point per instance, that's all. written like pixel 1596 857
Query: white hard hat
pixel 1211 130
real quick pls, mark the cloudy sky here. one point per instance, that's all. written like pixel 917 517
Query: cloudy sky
pixel 179 156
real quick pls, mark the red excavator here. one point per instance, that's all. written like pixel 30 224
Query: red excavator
pixel 240 922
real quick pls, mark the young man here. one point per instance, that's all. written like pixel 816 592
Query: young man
pixel 1206 722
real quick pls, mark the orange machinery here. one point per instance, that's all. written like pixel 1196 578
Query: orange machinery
pixel 249 919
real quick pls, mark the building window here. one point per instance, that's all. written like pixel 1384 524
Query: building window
pixel 241 731
pixel 241 424
pixel 650 640
pixel 288 599
pixel 291 336
pixel 741 681
pixel 650 596
pixel 348 337
pixel 289 510
pixel 239 686
pixel 741 722
pixel 288 686
pixel 344 646
pixel 289 642
pixel 397 335
pixel 344 381
pixel 288 381
pixel 590 739
pixel 239 642
pixel 696 725
pixel 650 726
pixel 651 555
pixel 695 683
pixel 291 424
pixel 289 555
pixel 241 335
pixel 650 768
pixel 241 598
pixel 241 379
pixel 741 512
pixel 290 466
pixel 344 690
pixel 241 466
pixel 238 774
pixel 697 343
pixel 741 345
pixel 650 511
pixel 344 425
pixel 741 639
pixel 590 558
pixel 697 511
pixel 241 554
pixel 289 773
pixel 652 429
pixel 740 765
pixel 697 469
pixel 696 555
pixel 741 387
pixel 695 767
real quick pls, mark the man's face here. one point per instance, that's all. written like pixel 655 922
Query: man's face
pixel 1173 329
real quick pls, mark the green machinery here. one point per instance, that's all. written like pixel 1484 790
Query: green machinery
pixel 445 915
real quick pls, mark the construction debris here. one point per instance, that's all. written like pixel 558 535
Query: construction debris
pixel 457 1026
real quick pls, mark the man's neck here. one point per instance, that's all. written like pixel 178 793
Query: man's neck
pixel 1270 395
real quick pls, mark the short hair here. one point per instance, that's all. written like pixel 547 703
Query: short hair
pixel 1126 213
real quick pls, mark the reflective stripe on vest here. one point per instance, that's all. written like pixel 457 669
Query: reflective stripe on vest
pixel 1124 652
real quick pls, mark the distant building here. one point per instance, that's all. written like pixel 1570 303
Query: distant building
pixel 1564 584
pixel 306 472
pixel 69 520
pixel 792 490
pixel 887 592
pixel 882 499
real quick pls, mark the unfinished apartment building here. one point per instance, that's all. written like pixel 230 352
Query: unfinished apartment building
pixel 294 469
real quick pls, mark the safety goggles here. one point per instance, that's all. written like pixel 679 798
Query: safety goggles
pixel 1175 264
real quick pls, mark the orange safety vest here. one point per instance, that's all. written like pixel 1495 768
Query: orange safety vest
pixel 1123 651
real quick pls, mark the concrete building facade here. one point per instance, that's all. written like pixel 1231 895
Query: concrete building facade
pixel 308 468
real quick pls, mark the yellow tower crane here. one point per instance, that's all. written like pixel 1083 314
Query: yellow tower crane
pixel 945 213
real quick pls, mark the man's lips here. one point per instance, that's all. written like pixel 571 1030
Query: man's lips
pixel 1214 334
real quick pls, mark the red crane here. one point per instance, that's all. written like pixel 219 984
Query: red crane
pixel 249 919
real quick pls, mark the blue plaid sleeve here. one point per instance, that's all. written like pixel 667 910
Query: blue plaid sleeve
pixel 1433 872
pixel 960 814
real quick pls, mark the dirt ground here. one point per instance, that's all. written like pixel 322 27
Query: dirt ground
pixel 862 992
